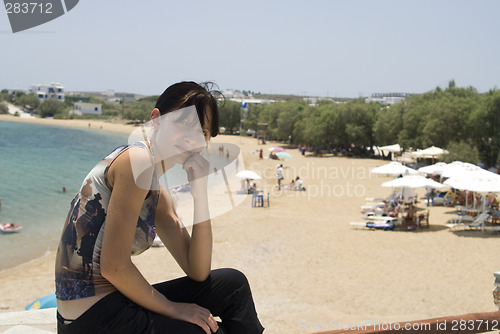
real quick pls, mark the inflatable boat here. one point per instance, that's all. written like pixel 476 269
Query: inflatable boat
pixel 10 228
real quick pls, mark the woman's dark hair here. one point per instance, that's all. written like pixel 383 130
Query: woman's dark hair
pixel 189 93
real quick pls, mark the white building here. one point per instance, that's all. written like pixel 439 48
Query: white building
pixel 387 98
pixel 53 91
pixel 82 108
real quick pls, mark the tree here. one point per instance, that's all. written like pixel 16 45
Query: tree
pixel 316 127
pixel 461 151
pixel 388 124
pixel 138 110
pixel 3 108
pixel 51 107
pixel 135 114
pixel 360 120
pixel 414 117
pixel 287 119
pixel 229 116
pixel 487 129
pixel 29 101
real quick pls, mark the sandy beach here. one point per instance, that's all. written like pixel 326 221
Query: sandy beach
pixel 308 269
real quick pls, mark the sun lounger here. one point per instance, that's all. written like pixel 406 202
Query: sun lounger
pixel 381 218
pixel 461 220
pixel 379 225
pixel 369 207
pixel 478 222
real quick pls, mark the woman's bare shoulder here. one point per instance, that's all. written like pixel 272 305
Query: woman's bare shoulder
pixel 135 163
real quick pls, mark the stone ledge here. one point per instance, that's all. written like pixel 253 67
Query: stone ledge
pixel 33 321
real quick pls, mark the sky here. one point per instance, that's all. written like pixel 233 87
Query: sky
pixel 335 48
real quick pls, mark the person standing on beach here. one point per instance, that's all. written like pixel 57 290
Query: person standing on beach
pixel 118 212
pixel 279 175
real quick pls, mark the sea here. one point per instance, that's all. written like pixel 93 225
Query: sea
pixel 36 162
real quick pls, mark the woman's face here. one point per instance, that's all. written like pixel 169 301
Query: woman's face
pixel 179 134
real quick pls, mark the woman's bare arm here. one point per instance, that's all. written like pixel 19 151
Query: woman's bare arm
pixel 192 253
pixel 116 265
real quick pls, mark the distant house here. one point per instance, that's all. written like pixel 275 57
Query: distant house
pixel 387 98
pixel 82 108
pixel 53 91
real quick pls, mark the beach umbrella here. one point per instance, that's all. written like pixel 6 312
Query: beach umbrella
pixel 413 181
pixel 248 174
pixel 283 155
pixel 48 301
pixel 474 179
pixel 432 152
pixel 396 148
pixel 480 181
pixel 408 182
pixel 276 149
pixel 393 168
pixel 457 168
pixel 437 168
pixel 405 158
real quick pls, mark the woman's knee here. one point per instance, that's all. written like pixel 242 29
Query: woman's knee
pixel 232 278
pixel 233 275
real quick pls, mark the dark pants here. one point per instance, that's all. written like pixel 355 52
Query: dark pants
pixel 225 293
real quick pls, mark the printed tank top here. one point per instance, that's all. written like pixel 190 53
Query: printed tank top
pixel 78 273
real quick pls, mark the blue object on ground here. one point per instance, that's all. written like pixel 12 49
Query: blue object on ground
pixel 381 226
pixel 48 301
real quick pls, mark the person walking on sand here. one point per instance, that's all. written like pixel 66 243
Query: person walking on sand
pixel 118 212
pixel 279 175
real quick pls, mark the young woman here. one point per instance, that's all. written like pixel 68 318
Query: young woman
pixel 118 212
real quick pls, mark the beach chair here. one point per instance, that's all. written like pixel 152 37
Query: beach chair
pixel 408 223
pixel 258 199
pixel 495 216
pixel 478 222
pixel 461 219
pixel 423 219
pixel 445 198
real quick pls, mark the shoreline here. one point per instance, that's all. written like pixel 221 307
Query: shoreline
pixel 110 126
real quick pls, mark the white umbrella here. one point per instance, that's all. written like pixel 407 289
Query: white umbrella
pixel 391 148
pixel 457 168
pixel 409 182
pixel 413 181
pixel 248 174
pixel 480 181
pixel 396 148
pixel 430 152
pixel 393 168
pixel 437 168
pixel 475 179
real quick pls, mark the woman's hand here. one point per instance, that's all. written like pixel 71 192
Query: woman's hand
pixel 197 169
pixel 197 315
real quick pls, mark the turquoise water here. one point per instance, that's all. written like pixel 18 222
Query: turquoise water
pixel 36 162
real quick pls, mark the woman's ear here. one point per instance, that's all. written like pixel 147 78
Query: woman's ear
pixel 155 118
